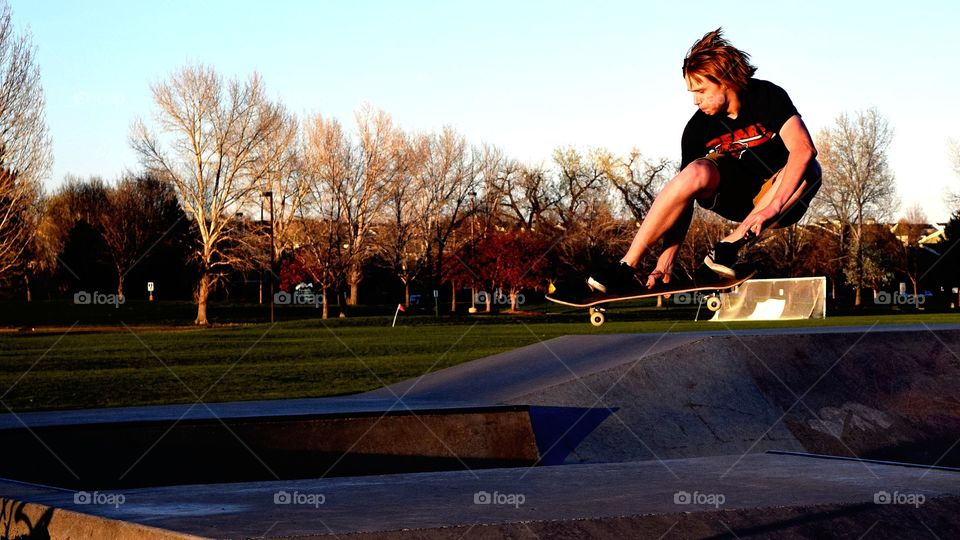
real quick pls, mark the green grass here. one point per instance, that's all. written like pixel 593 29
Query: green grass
pixel 89 366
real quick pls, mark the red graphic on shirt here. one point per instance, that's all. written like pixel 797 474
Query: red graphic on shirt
pixel 736 143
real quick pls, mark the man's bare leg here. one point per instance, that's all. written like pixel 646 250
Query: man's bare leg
pixel 673 208
pixel 671 244
pixel 669 218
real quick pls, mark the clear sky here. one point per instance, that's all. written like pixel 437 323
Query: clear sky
pixel 525 76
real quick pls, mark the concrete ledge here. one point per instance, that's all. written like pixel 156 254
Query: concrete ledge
pixel 20 519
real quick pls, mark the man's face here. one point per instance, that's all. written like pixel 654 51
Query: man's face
pixel 709 96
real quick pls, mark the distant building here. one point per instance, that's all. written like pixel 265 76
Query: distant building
pixel 926 234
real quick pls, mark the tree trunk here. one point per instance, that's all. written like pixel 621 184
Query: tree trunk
pixel 856 300
pixel 26 286
pixel 353 279
pixel 453 296
pixel 513 299
pixel 916 299
pixel 354 290
pixel 326 309
pixel 203 291
pixel 119 284
pixel 406 293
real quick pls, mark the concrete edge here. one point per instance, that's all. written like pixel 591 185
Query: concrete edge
pixel 19 519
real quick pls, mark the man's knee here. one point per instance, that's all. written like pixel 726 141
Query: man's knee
pixel 698 180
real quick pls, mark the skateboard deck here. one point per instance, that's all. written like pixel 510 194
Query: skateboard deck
pixel 708 281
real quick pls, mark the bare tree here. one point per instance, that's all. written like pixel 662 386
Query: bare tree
pixel 528 194
pixel 637 180
pixel 359 176
pixel 452 172
pixel 405 239
pixel 581 179
pixel 858 180
pixel 282 175
pixel 213 149
pixel 329 162
pixel 25 156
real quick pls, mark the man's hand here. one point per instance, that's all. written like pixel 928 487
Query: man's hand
pixel 663 270
pixel 757 221
pixel 657 275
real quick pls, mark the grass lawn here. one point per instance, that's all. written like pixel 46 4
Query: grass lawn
pixel 81 364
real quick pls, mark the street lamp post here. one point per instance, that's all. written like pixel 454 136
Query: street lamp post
pixel 273 270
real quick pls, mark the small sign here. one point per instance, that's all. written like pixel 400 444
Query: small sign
pixel 149 286
pixel 436 293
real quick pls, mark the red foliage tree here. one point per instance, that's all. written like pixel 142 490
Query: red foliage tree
pixel 511 261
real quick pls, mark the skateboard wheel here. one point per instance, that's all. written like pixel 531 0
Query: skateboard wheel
pixel 597 317
pixel 713 303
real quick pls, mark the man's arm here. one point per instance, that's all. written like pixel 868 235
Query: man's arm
pixel 800 146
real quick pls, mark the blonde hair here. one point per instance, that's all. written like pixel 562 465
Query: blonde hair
pixel 713 58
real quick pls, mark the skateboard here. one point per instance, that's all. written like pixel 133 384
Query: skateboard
pixel 596 302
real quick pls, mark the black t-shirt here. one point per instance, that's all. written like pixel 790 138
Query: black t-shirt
pixel 753 137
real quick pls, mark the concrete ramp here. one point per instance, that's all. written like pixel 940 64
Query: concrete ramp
pixel 883 394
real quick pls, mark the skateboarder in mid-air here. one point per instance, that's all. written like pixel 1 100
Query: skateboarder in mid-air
pixel 746 155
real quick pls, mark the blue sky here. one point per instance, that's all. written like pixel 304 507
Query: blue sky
pixel 525 76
